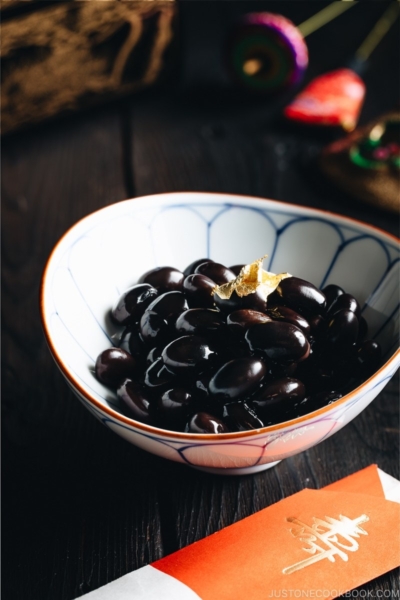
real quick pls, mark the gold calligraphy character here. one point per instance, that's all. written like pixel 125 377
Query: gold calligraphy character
pixel 326 539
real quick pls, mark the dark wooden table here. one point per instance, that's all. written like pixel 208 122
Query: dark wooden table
pixel 82 507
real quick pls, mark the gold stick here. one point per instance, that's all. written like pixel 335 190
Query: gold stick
pixel 381 28
pixel 325 15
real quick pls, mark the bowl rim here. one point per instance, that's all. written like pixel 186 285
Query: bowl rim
pixel 151 429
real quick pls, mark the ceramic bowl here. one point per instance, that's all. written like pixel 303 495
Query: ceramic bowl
pixel 106 252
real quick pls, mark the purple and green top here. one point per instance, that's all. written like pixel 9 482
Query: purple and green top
pixel 266 52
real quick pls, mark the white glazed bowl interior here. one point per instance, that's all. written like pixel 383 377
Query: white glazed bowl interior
pixel 106 252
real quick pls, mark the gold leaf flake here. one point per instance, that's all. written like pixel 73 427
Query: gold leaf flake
pixel 252 278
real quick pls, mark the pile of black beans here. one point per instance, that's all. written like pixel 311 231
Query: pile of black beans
pixel 189 361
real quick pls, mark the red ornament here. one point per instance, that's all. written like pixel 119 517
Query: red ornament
pixel 333 99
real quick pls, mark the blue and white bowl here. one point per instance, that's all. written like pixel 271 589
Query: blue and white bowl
pixel 106 252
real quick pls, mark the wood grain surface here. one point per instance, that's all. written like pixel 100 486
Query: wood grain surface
pixel 82 507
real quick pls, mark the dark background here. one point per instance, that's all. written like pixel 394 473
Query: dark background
pixel 80 506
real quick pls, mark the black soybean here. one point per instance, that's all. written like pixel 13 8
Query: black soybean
pixel 324 398
pixel 215 271
pixel 332 293
pixel 285 390
pixel 369 356
pixel 169 305
pixel 203 422
pixel 314 402
pixel 133 343
pixel 164 279
pixel 279 341
pixel 153 355
pixel 236 269
pixel 198 290
pixel 113 365
pixel 240 321
pixel 237 379
pixel 133 303
pixel 201 384
pixel 190 269
pixel 345 302
pixel 318 326
pixel 135 400
pixel 157 375
pixel 199 321
pixel 173 406
pixel 283 313
pixel 187 354
pixel 241 417
pixel 204 365
pixel 342 330
pixel 154 330
pixel 254 301
pixel 301 295
pixel 362 329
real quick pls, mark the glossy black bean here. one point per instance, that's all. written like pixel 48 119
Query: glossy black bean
pixel 229 346
pixel 198 290
pixel 369 357
pixel 169 305
pixel 236 269
pixel 362 329
pixel 273 300
pixel 332 293
pixel 305 369
pixel 121 339
pixel 200 388
pixel 132 342
pixel 301 295
pixel 237 379
pixel 200 321
pixel 342 330
pixel 158 376
pixel 278 370
pixel 133 303
pixel 113 365
pixel 239 364
pixel 279 394
pixel 324 377
pixel 324 398
pixel 318 326
pixel 240 321
pixel 154 330
pixel 313 402
pixel 164 279
pixel 283 313
pixel 135 400
pixel 345 302
pixel 241 417
pixel 203 422
pixel 343 370
pixel 189 353
pixel 254 301
pixel 153 355
pixel 319 378
pixel 215 271
pixel 190 269
pixel 279 341
pixel 328 368
pixel 174 405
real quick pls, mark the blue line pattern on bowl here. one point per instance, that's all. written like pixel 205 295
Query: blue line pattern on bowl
pixel 279 220
pixel 181 448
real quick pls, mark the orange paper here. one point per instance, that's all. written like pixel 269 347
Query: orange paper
pixel 366 481
pixel 324 542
